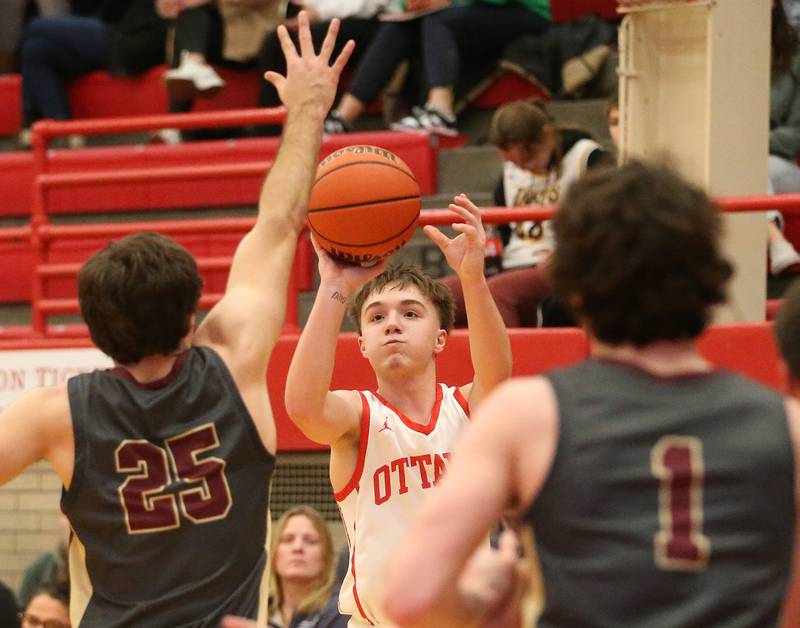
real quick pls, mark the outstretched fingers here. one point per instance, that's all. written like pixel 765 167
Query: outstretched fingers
pixel 276 79
pixel 304 35
pixel 344 57
pixel 287 45
pixel 461 204
pixel 438 238
pixel 330 40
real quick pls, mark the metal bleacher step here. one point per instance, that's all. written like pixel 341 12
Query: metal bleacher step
pixel 472 169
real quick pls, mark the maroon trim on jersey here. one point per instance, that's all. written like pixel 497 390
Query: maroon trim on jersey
pixel 713 370
pixel 461 400
pixel 180 360
pixel 418 427
pixel 355 583
pixel 363 440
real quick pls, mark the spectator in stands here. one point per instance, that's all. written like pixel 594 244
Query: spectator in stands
pixel 787 334
pixel 48 608
pixel 9 611
pixel 47 567
pixel 612 119
pixel 792 10
pixel 541 161
pixel 303 574
pixel 358 22
pixel 480 28
pixel 122 36
pixel 212 31
pixel 784 132
pixel 12 18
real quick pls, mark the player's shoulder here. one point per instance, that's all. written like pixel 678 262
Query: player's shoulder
pixel 528 387
pixel 49 397
pixel 355 398
pixel 523 398
pixel 48 405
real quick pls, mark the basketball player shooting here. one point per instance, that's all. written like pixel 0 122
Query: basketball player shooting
pixel 166 459
pixel 662 491
pixel 390 447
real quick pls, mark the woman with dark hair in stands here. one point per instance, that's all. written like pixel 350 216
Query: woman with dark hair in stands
pixel 122 36
pixel 48 608
pixel 475 29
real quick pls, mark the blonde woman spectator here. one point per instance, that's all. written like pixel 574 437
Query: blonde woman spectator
pixel 303 564
pixel 302 567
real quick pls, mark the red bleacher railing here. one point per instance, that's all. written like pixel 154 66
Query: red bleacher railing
pixel 41 233
pixel 43 307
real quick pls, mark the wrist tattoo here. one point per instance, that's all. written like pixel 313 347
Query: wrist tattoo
pixel 337 296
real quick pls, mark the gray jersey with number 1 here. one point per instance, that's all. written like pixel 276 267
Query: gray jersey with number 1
pixel 670 501
pixel 168 500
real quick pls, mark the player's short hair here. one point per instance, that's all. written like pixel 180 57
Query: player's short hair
pixel 787 329
pixel 320 593
pixel 638 255
pixel 401 276
pixel 138 295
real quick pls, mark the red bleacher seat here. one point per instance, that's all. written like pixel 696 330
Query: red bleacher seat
pixel 16 172
pixel 10 103
pixel 747 348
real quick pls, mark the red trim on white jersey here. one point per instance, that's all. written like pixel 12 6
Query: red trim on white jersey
pixel 355 586
pixel 413 425
pixel 461 401
pixel 363 440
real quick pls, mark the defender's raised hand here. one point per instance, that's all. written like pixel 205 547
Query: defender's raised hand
pixel 310 79
pixel 465 253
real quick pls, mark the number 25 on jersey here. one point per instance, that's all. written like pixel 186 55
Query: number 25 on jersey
pixel 151 469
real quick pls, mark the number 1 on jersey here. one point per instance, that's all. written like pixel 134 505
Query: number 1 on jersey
pixel 680 545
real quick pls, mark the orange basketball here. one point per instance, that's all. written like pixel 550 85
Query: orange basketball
pixel 364 205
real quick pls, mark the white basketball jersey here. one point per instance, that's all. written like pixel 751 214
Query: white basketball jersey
pixel 532 240
pixel 399 462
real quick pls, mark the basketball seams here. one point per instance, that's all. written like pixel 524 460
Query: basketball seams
pixel 382 201
pixel 355 246
pixel 353 205
pixel 405 171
